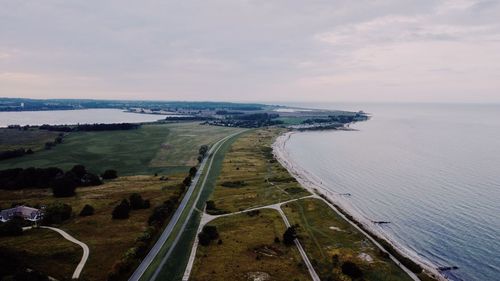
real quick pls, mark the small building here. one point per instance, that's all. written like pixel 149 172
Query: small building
pixel 27 213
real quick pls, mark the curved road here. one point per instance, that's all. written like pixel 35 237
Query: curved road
pixel 65 235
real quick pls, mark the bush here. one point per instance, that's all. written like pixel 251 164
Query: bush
pixel 109 174
pixel 87 211
pixel 79 171
pixel 90 180
pixel 204 239
pixel 64 186
pixel 11 228
pixel 289 236
pixel 136 201
pixel 122 210
pixel 57 213
pixel 211 205
pixel 187 181
pixel 192 172
pixel 211 230
pixel 161 213
pixel 351 269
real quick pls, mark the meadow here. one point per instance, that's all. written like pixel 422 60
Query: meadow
pixel 156 148
pixel 330 241
pixel 248 251
pixel 107 239
pixel 251 177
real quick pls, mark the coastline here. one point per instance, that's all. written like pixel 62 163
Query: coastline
pixel 315 186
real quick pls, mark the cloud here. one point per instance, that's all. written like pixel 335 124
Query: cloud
pixel 251 50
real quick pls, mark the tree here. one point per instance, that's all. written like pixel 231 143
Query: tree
pixel 187 181
pixel 64 186
pixel 211 230
pixel 122 210
pixel 136 201
pixel 204 239
pixel 352 270
pixel 192 172
pixel 87 211
pixel 57 213
pixel 289 236
pixel 211 205
pixel 109 174
pixel 11 228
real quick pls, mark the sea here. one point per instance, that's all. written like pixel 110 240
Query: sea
pixel 72 117
pixel 431 170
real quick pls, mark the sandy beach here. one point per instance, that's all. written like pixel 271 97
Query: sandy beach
pixel 315 185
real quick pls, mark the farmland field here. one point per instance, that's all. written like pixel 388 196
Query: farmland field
pixel 158 148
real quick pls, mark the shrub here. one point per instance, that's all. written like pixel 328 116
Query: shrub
pixel 192 171
pixel 87 211
pixel 11 228
pixel 57 213
pixel 79 171
pixel 187 181
pixel 122 210
pixel 136 201
pixel 289 236
pixel 64 186
pixel 211 205
pixel 211 230
pixel 204 239
pixel 90 180
pixel 109 174
pixel 351 269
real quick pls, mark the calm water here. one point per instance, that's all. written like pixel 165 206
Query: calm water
pixel 71 117
pixel 432 170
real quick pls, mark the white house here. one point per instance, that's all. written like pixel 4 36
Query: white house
pixel 27 213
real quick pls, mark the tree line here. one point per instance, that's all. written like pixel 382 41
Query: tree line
pixel 90 127
pixel 63 184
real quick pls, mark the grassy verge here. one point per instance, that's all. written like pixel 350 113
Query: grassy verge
pixel 248 251
pixel 251 177
pixel 174 266
pixel 159 148
pixel 330 241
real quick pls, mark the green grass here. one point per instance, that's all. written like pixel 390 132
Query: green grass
pixel 164 149
pixel 324 234
pixel 35 139
pixel 248 246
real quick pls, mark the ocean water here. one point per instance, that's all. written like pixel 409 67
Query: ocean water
pixel 432 170
pixel 72 117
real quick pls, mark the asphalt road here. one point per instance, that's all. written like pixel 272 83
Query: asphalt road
pixel 175 218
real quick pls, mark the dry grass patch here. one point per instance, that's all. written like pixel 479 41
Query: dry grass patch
pixel 107 239
pixel 251 176
pixel 248 251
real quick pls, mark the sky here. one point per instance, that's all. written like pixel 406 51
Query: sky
pixel 252 50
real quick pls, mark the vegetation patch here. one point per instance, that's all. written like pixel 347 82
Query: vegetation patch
pixel 244 180
pixel 338 255
pixel 248 252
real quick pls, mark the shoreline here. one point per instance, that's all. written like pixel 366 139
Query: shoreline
pixel 315 186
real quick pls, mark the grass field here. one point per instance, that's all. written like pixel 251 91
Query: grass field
pixel 107 239
pixel 248 251
pixel 35 139
pixel 251 177
pixel 164 149
pixel 43 248
pixel 329 241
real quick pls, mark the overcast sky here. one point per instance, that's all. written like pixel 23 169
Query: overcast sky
pixel 261 50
